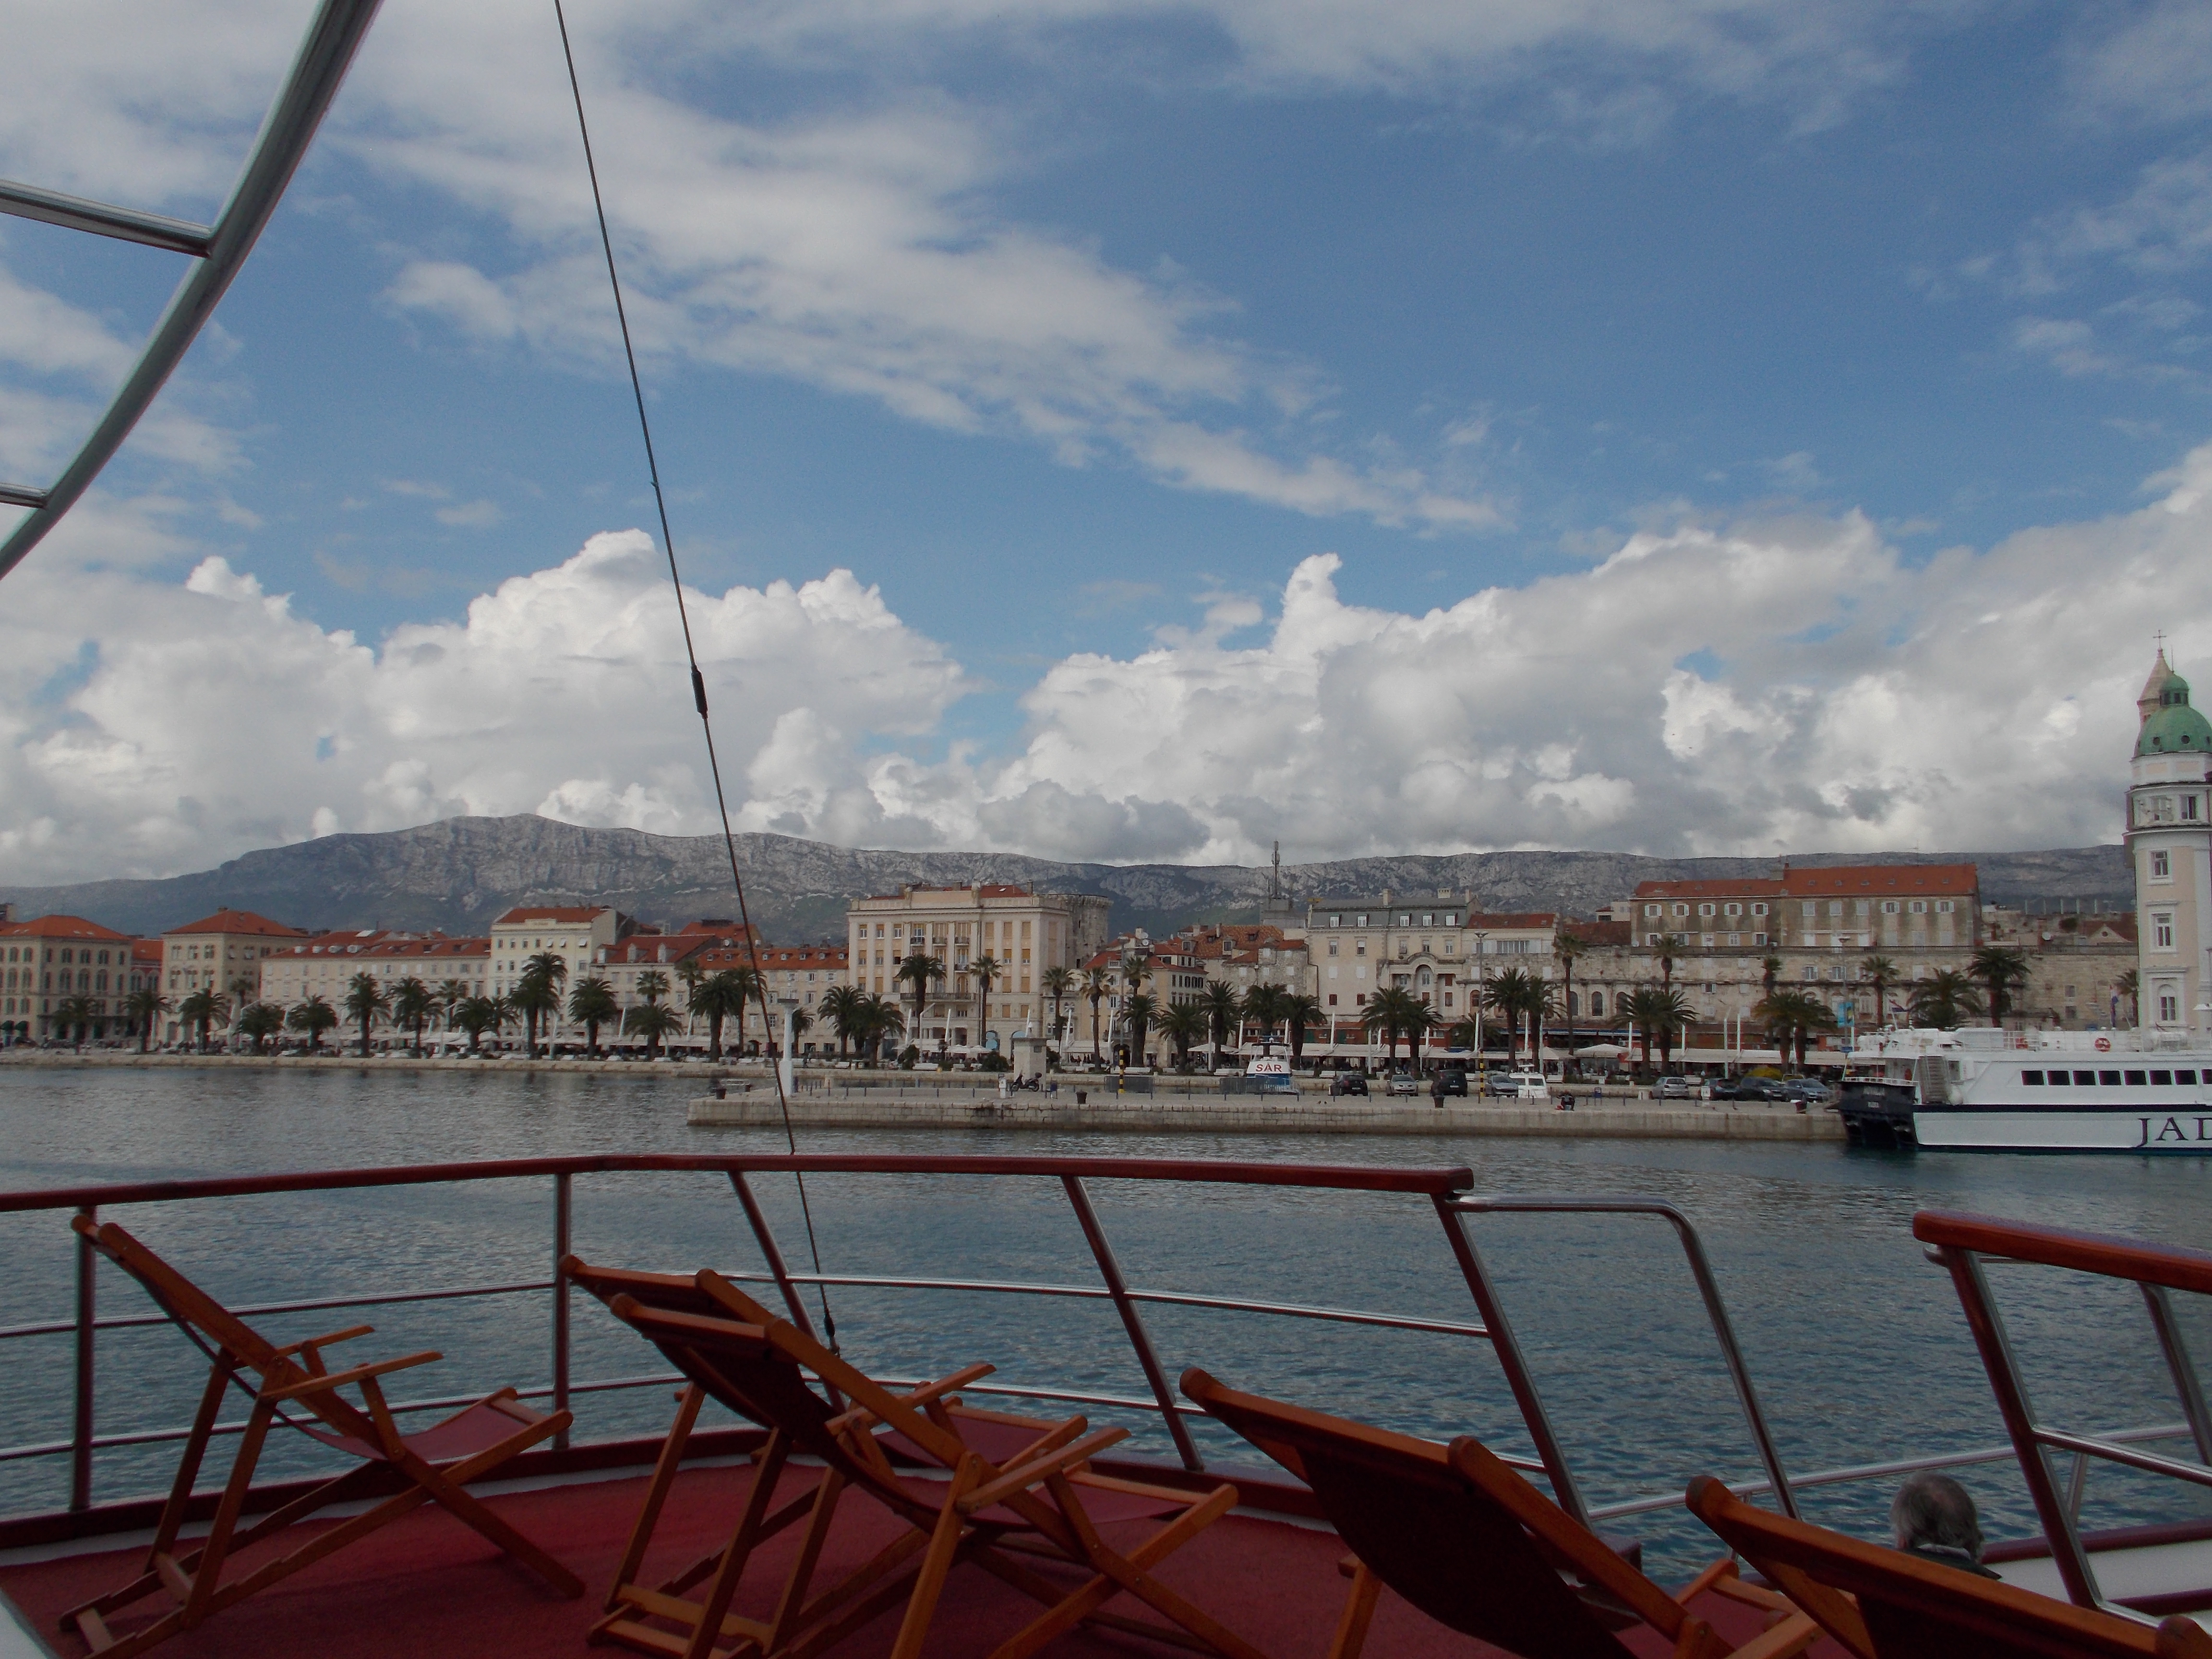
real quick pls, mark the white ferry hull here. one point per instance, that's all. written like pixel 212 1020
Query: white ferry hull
pixel 1994 1129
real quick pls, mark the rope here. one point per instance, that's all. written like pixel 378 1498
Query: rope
pixel 691 653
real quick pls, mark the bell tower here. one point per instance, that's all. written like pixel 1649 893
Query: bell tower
pixel 2169 841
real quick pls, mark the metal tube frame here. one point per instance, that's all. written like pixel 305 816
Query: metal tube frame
pixel 563 1202
pixel 2175 1347
pixel 220 252
pixel 1133 1320
pixel 1708 1291
pixel 88 1285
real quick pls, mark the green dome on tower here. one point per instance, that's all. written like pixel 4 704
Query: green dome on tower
pixel 2171 726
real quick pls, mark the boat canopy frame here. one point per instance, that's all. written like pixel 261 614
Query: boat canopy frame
pixel 218 251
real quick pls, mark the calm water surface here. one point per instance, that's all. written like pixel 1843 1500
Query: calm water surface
pixel 1855 1341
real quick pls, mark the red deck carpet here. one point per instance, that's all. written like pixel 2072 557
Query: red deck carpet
pixel 428 1586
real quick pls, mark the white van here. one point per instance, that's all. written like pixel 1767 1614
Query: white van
pixel 1528 1085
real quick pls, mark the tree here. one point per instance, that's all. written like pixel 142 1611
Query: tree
pixel 878 1019
pixel 652 985
pixel 1521 998
pixel 2129 985
pixel 75 1014
pixel 1567 947
pixel 365 998
pixel 987 968
pixel 537 994
pixel 1656 1012
pixel 689 974
pixel 1263 1007
pixel 1056 982
pixel 1136 968
pixel 412 1004
pixel 451 993
pixel 1792 1017
pixel 314 1017
pixel 1224 1012
pixel 1947 998
pixel 1098 985
pixel 840 1003
pixel 1300 1010
pixel 1395 1012
pixel 1138 1008
pixel 1183 1024
pixel 143 1009
pixel 477 1015
pixel 203 1009
pixel 2002 969
pixel 1880 972
pixel 652 1021
pixel 1770 970
pixel 259 1021
pixel 591 1004
pixel 1670 946
pixel 725 996
pixel 918 972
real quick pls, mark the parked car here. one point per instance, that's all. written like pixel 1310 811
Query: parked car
pixel 1810 1089
pixel 1751 1088
pixel 1403 1083
pixel 1348 1083
pixel 1500 1086
pixel 1451 1081
pixel 1675 1086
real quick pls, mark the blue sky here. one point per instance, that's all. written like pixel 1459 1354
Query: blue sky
pixel 1075 331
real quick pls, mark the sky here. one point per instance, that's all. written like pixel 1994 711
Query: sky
pixel 1122 430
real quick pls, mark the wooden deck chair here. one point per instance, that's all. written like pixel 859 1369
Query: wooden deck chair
pixel 634 1609
pixel 1044 1502
pixel 1884 1604
pixel 1463 1537
pixel 291 1385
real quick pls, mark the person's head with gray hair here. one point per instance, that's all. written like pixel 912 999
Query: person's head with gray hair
pixel 1934 1515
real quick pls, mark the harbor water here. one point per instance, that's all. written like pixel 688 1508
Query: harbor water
pixel 1854 1341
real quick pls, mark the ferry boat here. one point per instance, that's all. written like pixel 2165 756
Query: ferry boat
pixel 1981 1089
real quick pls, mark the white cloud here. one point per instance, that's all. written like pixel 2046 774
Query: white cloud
pixel 2156 65
pixel 1790 684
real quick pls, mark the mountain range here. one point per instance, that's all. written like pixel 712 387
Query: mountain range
pixel 459 873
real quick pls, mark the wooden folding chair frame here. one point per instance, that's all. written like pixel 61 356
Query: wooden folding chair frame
pixel 985 1513
pixel 1881 1602
pixel 293 1376
pixel 1315 1447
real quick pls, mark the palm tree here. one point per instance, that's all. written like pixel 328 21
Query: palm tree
pixel 2002 969
pixel 1224 1011
pixel 1136 968
pixel 1515 992
pixel 652 1021
pixel 801 1023
pixel 918 973
pixel 652 985
pixel 314 1017
pixel 74 1013
pixel 986 968
pixel 1770 970
pixel 1395 1011
pixel 2129 985
pixel 364 999
pixel 1056 982
pixel 412 1004
pixel 1263 1007
pixel 1792 1017
pixel 841 1005
pixel 1670 946
pixel 1466 1033
pixel 1300 1010
pixel 591 1004
pixel 1947 998
pixel 1880 972
pixel 200 1010
pixel 1182 1025
pixel 451 993
pixel 689 974
pixel 1138 1008
pixel 549 968
pixel 723 996
pixel 143 1009
pixel 1097 984
pixel 259 1021
pixel 477 1015
pixel 878 1019
pixel 1567 947
pixel 536 995
pixel 1655 1011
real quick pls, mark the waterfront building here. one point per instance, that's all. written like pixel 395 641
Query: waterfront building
pixel 1247 955
pixel 48 958
pixel 1433 947
pixel 801 974
pixel 324 965
pixel 2169 842
pixel 1024 932
pixel 579 934
pixel 1912 907
pixel 2078 966
pixel 220 953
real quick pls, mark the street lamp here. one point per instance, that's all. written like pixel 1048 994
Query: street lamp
pixel 785 1074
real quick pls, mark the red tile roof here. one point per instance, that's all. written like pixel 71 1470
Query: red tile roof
pixel 60 927
pixel 227 921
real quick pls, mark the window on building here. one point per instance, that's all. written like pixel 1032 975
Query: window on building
pixel 1705 910
pixel 2162 930
pixel 2189 808
pixel 2154 809
pixel 1943 907
pixel 2161 866
pixel 2169 1010
pixel 1919 907
pixel 1759 909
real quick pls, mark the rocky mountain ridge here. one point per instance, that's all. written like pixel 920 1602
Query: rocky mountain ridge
pixel 459 873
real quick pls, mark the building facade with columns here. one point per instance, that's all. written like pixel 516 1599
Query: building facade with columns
pixel 1024 932
pixel 2169 841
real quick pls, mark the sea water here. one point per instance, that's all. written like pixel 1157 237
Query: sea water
pixel 1854 1341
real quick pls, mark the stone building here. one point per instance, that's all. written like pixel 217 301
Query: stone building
pixel 48 958
pixel 2169 841
pixel 1433 947
pixel 222 953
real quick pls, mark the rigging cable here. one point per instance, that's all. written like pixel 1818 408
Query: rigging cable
pixel 698 680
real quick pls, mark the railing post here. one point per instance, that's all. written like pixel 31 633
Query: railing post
pixel 1131 1320
pixel 772 1254
pixel 563 1198
pixel 1511 1359
pixel 2186 1384
pixel 80 1436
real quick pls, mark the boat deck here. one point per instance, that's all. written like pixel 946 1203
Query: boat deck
pixel 427 1585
